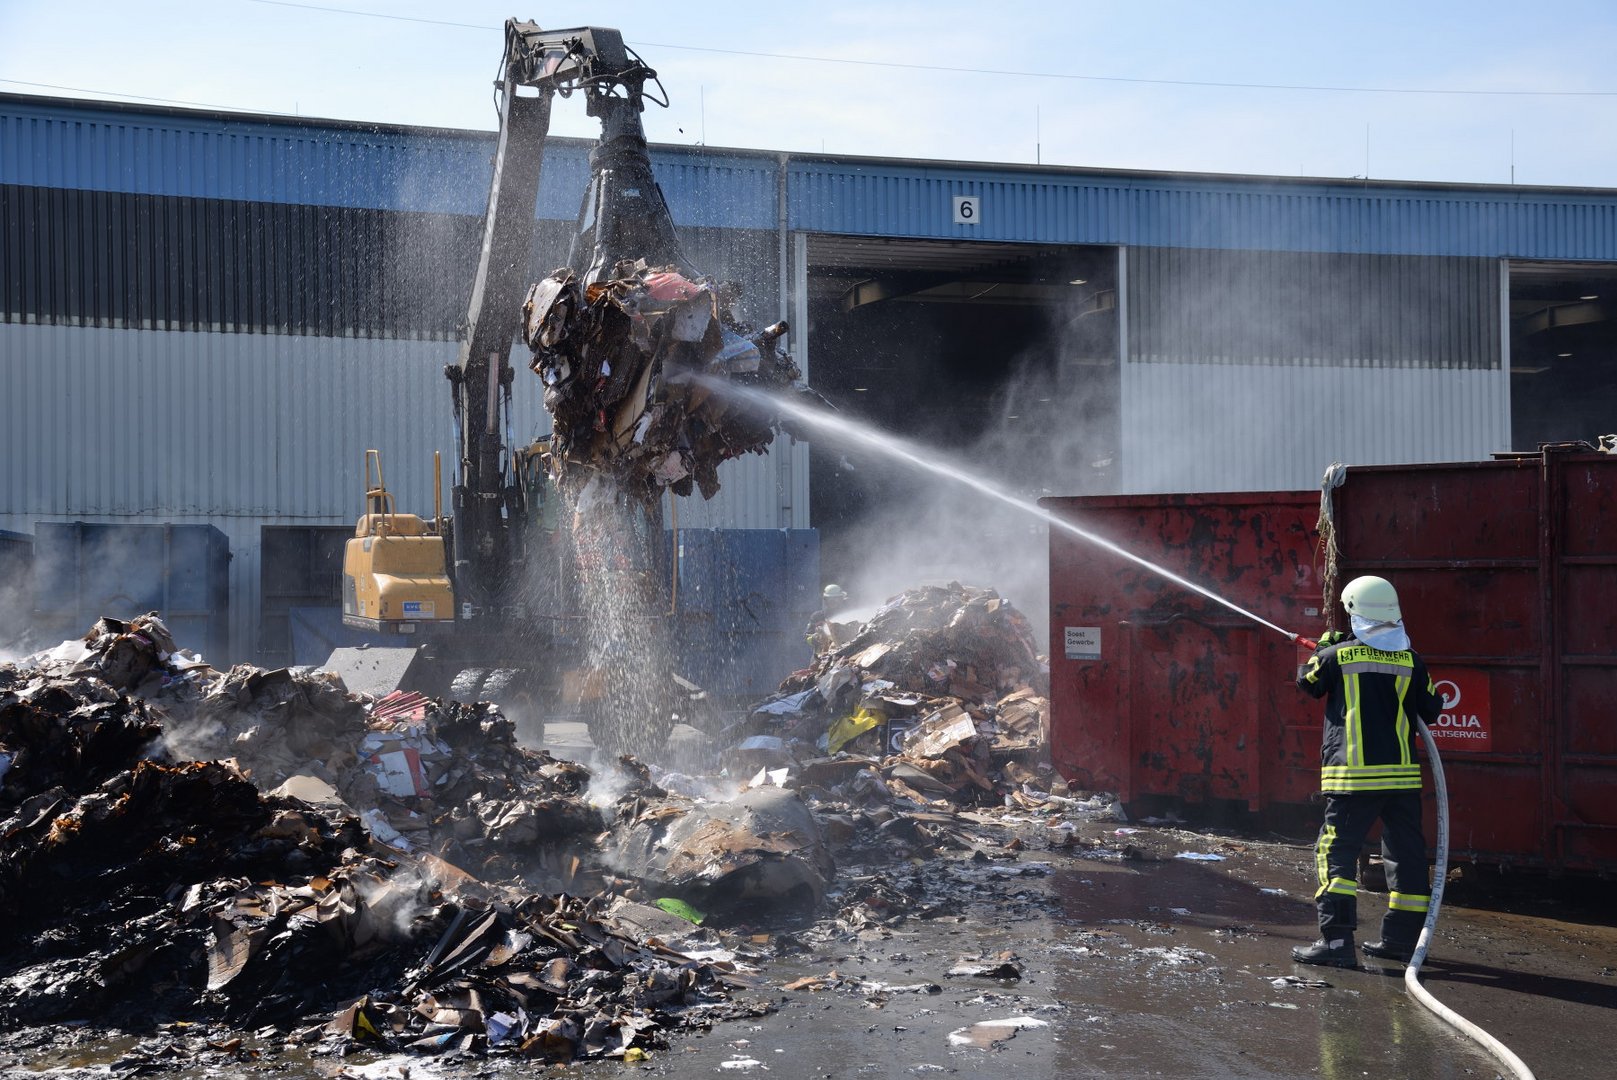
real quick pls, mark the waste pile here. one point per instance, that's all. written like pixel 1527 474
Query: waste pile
pixel 137 885
pixel 201 854
pixel 762 850
pixel 940 697
pixel 623 362
pixel 441 776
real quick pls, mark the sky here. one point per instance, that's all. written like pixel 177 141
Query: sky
pixel 1529 95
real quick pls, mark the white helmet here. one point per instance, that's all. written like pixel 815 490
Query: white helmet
pixel 1372 598
pixel 834 592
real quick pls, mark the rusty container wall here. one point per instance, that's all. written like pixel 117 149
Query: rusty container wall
pixel 1158 691
pixel 1507 573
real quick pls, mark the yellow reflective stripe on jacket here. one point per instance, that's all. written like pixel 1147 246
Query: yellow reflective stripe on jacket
pixel 1400 901
pixel 1352 734
pixel 1354 662
pixel 1370 774
pixel 1369 770
pixel 1343 787
pixel 1402 723
pixel 1312 674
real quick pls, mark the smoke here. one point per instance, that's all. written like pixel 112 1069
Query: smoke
pixel 196 739
pixel 54 587
pixel 398 904
pixel 12 644
pixel 1253 371
pixel 1049 431
pixel 1249 371
pixel 16 598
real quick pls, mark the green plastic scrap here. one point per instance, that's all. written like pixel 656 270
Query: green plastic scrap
pixel 682 909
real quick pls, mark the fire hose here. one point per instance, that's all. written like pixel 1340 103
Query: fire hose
pixel 1499 1050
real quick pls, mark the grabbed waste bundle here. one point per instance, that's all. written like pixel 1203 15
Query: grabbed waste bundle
pixel 627 365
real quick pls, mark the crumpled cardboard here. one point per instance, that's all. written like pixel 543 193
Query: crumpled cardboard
pixel 944 682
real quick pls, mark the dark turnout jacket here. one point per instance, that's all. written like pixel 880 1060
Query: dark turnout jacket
pixel 1371 698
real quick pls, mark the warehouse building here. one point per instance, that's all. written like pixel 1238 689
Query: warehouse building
pixel 206 319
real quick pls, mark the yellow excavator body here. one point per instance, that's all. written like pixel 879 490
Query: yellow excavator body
pixel 395 569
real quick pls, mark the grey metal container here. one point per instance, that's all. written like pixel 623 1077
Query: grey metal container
pixel 83 571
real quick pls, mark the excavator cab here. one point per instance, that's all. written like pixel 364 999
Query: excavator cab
pixel 395 572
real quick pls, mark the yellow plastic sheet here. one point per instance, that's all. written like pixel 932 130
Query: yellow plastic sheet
pixel 850 728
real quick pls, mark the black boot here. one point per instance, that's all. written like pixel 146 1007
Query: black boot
pixel 1338 952
pixel 1389 950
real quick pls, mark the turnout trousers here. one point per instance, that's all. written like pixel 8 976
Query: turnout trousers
pixel 1348 820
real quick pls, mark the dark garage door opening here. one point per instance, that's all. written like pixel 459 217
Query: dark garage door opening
pixel 1001 355
pixel 1563 352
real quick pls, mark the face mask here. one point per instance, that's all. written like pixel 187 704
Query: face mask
pixel 1388 637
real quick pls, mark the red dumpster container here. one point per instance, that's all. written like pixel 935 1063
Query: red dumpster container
pixel 1507 570
pixel 1160 692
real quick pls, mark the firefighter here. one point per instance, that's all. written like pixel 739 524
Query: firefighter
pixel 822 633
pixel 1373 684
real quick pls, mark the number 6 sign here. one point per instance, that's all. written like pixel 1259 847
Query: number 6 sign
pixel 967 209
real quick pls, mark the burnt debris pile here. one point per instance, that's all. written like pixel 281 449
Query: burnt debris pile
pixel 251 858
pixel 140 884
pixel 939 699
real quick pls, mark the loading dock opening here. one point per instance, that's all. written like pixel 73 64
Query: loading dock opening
pixel 986 350
pixel 1563 352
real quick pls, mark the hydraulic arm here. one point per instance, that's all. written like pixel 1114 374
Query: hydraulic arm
pixel 623 215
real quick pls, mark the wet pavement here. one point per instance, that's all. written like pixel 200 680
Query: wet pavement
pixel 1126 985
pixel 1132 962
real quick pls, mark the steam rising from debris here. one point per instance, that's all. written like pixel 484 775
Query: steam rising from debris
pixel 14 605
pixel 402 901
pixel 943 532
pixel 608 784
pixel 195 739
pixel 1050 431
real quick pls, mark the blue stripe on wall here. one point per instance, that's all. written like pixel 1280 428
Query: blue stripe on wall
pixel 86 145
pixel 1066 207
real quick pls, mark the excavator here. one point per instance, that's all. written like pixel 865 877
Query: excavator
pixel 492 590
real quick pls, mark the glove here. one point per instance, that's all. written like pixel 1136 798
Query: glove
pixel 1331 637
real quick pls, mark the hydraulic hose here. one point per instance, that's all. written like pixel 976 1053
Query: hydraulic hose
pixel 1498 1049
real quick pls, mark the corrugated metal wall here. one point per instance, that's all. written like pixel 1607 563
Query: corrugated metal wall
pixel 241 430
pixel 93 258
pixel 1091 206
pixel 180 263
pixel 97 147
pixel 94 146
pixel 1253 371
pixel 134 423
pixel 101 147
pixel 1313 308
pixel 1245 427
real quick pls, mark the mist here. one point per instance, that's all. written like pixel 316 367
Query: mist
pixel 14 616
pixel 1048 429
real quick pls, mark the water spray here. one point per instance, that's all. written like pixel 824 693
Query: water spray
pixel 913 456
pixel 930 462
